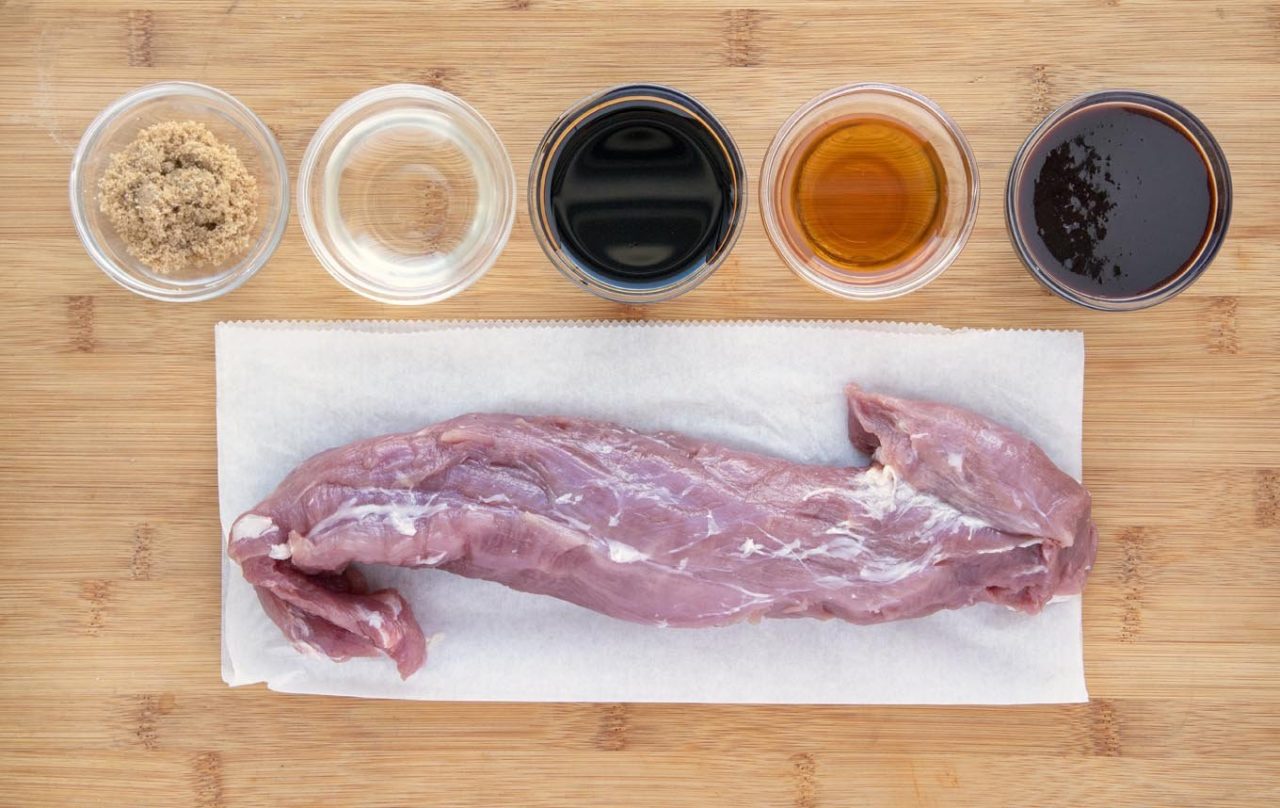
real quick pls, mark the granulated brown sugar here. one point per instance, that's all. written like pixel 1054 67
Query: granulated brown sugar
pixel 179 197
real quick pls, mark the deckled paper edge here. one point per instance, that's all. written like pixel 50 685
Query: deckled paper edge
pixel 416 326
pixel 421 326
pixel 227 665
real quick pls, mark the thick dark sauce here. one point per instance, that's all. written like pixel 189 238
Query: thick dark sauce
pixel 1116 201
pixel 642 192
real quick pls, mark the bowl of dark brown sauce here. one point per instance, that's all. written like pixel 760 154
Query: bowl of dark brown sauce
pixel 1119 200
pixel 637 193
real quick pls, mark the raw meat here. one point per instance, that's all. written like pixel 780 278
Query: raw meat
pixel 665 529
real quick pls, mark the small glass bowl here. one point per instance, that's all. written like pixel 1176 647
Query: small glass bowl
pixel 1159 107
pixel 232 123
pixel 541 203
pixel 406 194
pixel 925 119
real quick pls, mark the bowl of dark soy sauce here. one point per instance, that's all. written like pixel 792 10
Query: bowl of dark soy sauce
pixel 1119 200
pixel 637 193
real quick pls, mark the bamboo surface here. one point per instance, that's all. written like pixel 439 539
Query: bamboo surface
pixel 109 685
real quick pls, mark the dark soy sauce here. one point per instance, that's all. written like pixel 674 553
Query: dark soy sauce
pixel 642 191
pixel 1116 201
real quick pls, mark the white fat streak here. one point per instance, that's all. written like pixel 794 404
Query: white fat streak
pixel 280 552
pixel 788 551
pixel 621 553
pixel 847 547
pixel 575 523
pixel 251 526
pixel 613 520
pixel 568 499
pixel 750 600
pixel 1007 548
pixel 653 494
pixel 880 492
pixel 880 571
pixel 712 529
pixel 402 516
pixel 956 460
pixel 402 522
pixel 374 620
pixel 494 499
pixel 844 528
pixel 874 490
pixel 891 573
pixel 756 597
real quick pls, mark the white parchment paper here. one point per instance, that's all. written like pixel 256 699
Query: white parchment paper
pixel 288 390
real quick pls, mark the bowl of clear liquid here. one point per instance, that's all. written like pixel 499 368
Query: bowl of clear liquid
pixel 406 194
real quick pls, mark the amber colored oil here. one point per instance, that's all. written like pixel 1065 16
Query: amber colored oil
pixel 866 193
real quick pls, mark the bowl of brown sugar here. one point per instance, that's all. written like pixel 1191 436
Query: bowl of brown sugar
pixel 179 192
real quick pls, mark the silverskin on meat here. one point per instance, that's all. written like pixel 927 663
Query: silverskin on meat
pixel 668 530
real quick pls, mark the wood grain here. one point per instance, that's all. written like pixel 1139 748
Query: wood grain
pixel 109 687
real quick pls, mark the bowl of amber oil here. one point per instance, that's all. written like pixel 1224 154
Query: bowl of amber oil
pixel 869 191
pixel 1118 200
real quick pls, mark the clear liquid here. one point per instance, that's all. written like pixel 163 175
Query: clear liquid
pixel 412 197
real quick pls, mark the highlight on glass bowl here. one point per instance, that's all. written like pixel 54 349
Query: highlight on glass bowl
pixel 179 192
pixel 406 194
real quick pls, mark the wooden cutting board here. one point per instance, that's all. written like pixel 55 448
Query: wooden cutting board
pixel 109 686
